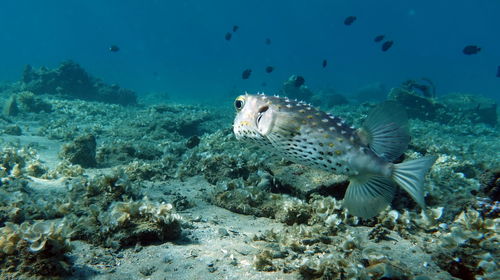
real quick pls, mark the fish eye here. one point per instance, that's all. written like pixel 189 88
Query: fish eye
pixel 239 103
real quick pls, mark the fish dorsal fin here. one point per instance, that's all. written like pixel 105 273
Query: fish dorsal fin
pixel 385 130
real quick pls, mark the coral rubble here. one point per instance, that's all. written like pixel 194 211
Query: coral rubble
pixel 37 249
pixel 130 180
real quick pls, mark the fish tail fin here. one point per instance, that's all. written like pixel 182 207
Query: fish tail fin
pixel 366 196
pixel 385 130
pixel 410 176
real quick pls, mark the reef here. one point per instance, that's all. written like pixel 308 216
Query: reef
pixel 448 109
pixel 71 80
pixel 98 190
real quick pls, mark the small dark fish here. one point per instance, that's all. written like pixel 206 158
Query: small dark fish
pixel 268 41
pixel 114 48
pixel 235 28
pixel 246 74
pixel 471 49
pixel 349 20
pixel 269 69
pixel 299 81
pixel 325 63
pixel 498 72
pixel 387 45
pixel 379 38
pixel 228 36
pixel 264 84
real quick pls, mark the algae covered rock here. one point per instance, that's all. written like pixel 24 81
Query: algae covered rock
pixel 192 142
pixel 295 88
pixel 476 109
pixel 416 106
pixel 300 181
pixel 124 152
pixel 29 102
pixel 449 109
pixel 36 250
pixel 490 184
pixel 328 98
pixel 144 222
pixel 13 130
pixel 71 80
pixel 10 108
pixel 81 151
pixel 25 102
pixel 470 247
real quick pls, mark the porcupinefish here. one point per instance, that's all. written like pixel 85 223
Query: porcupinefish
pixel 308 136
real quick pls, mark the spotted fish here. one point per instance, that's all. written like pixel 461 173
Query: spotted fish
pixel 308 136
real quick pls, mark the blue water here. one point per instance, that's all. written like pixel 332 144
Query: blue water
pixel 179 47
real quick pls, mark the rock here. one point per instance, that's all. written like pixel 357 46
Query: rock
pixel 386 270
pixel 71 80
pixel 223 232
pixel 424 85
pixel 13 130
pixel 301 182
pixel 81 151
pixel 490 184
pixel 25 101
pixel 294 88
pixel 475 108
pixel 375 92
pixel 29 102
pixel 10 107
pixel 192 142
pixel 147 270
pixel 417 106
pixel 328 98
pixel 450 109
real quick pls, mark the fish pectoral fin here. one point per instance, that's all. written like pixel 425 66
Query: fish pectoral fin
pixel 367 196
pixel 385 130
pixel 410 176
